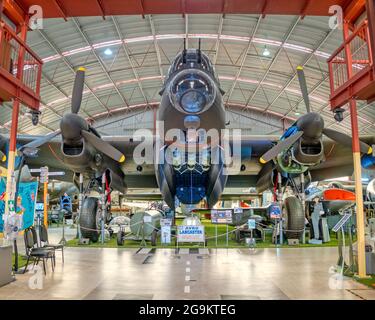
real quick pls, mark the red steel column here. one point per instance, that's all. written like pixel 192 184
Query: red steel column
pixel 10 188
pixel 370 9
pixel 357 166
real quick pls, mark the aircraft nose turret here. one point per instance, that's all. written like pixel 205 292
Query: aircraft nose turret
pixel 192 91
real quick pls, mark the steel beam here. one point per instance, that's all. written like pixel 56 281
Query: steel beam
pixel 84 36
pixel 312 54
pixel 254 31
pixel 150 19
pixel 289 33
pixel 217 44
pixel 57 51
pixel 126 51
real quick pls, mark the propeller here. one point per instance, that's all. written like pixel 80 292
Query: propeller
pixel 103 146
pixel 35 144
pixel 78 90
pixel 303 86
pixel 278 148
pixel 3 157
pixel 312 126
pixel 73 127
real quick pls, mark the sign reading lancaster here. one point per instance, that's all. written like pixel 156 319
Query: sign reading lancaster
pixel 190 234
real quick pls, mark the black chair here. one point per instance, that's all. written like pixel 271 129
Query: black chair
pixel 43 236
pixel 35 253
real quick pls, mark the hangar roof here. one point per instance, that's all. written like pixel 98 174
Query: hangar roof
pixel 127 57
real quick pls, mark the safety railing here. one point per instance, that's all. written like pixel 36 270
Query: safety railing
pixel 15 52
pixel 352 59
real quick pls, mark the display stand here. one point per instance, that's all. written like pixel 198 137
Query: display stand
pixel 104 209
pixel 227 236
pixel 200 239
pixel 143 241
pixel 216 235
pixel 280 199
pixel 63 240
pixel 81 197
pixel 339 229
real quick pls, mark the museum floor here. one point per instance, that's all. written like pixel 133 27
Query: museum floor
pixel 95 273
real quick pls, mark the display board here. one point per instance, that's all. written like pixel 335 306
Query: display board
pixel 166 234
pixel 25 204
pixel 221 216
pixel 275 210
pixel 190 234
pixel 251 223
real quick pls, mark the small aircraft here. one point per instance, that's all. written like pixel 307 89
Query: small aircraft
pixel 191 100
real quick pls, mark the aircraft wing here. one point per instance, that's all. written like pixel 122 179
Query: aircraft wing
pixel 338 160
pixel 50 155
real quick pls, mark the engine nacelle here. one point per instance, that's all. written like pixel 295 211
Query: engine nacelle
pixel 301 156
pixel 79 156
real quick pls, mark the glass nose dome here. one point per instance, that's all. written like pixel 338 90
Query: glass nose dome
pixel 192 91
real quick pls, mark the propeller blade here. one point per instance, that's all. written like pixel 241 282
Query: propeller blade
pixel 103 146
pixel 39 142
pixel 303 86
pixel 3 157
pixel 280 147
pixel 346 140
pixel 78 90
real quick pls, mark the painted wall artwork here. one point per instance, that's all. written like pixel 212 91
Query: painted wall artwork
pixel 25 203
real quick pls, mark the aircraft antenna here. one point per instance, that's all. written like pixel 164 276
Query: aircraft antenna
pixel 184 52
pixel 199 51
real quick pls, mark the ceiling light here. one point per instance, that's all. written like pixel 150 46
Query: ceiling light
pixel 266 52
pixel 108 52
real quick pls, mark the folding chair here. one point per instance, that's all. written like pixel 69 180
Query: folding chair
pixel 36 253
pixel 43 236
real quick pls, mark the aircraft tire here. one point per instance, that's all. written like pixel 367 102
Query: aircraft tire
pixel 87 219
pixel 294 218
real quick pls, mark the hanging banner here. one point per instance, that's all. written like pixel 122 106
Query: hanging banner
pixel 24 206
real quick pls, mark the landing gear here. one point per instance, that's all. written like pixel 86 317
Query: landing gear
pixel 89 219
pixel 294 218
pixel 94 212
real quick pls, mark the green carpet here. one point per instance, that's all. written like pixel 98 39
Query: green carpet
pixel 211 242
pixel 370 282
pixel 21 260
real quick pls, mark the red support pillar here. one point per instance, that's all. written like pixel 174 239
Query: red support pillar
pixel 357 166
pixel 370 9
pixel 10 205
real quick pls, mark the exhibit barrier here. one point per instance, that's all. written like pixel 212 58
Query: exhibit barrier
pixel 217 236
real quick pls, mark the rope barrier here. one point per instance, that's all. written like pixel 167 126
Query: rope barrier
pixel 207 238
